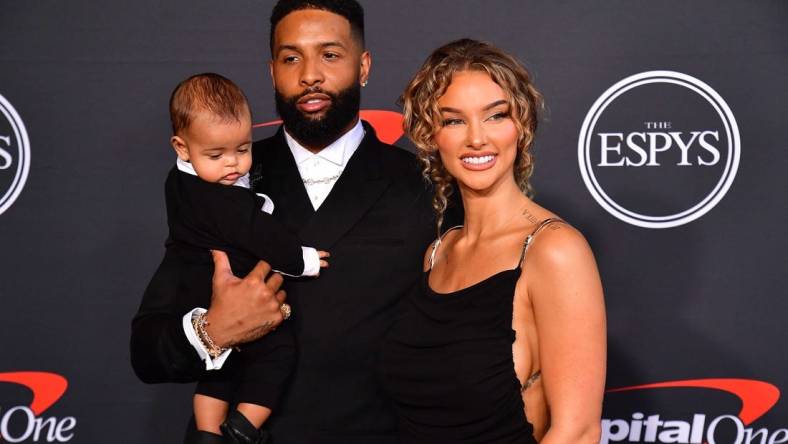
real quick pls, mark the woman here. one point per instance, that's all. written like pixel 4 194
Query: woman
pixel 504 340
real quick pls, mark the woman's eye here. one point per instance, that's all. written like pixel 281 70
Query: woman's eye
pixel 449 122
pixel 499 116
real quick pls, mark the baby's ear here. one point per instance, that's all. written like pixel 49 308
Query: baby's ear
pixel 179 145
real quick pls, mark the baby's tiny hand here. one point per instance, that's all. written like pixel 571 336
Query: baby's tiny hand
pixel 323 255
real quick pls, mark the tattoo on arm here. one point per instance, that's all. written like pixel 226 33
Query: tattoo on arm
pixel 535 220
pixel 267 326
pixel 531 218
pixel 258 332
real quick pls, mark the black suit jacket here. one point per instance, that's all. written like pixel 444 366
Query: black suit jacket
pixel 376 222
pixel 207 215
pixel 203 216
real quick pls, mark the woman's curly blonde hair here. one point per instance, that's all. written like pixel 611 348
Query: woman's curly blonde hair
pixel 423 118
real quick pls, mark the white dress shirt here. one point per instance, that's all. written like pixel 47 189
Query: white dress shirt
pixel 320 171
pixel 311 268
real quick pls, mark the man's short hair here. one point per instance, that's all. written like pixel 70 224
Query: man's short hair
pixel 349 9
pixel 206 92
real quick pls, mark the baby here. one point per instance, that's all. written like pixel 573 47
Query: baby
pixel 210 206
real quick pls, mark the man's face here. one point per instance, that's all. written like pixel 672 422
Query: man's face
pixel 317 68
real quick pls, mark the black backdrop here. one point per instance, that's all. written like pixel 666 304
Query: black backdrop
pixel 699 305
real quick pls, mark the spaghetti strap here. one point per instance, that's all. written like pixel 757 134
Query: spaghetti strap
pixel 537 374
pixel 437 243
pixel 531 236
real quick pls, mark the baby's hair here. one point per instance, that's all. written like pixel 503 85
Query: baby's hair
pixel 209 92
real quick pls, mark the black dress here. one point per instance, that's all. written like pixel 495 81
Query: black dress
pixel 447 362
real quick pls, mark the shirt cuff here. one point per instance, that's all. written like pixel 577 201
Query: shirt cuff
pixel 191 335
pixel 311 261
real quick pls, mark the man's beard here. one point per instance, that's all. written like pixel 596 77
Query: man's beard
pixel 322 131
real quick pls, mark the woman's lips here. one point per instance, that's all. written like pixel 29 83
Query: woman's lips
pixel 313 103
pixel 479 162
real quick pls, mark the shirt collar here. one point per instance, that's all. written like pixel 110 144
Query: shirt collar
pixel 188 168
pixel 338 152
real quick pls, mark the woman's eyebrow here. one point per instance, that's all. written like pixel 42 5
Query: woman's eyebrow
pixel 494 104
pixel 448 109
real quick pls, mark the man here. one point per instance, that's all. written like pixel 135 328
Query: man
pixel 340 189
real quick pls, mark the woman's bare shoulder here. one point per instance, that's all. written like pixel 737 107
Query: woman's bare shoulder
pixel 428 255
pixel 558 244
pixel 560 269
pixel 433 249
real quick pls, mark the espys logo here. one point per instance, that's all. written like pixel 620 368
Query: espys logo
pixel 756 397
pixel 659 149
pixel 387 124
pixel 14 155
pixel 26 423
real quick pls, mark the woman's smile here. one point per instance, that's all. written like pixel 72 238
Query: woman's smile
pixel 479 162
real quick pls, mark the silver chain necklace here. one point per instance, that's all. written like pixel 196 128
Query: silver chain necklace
pixel 329 179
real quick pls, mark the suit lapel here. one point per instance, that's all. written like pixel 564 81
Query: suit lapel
pixel 279 178
pixel 357 189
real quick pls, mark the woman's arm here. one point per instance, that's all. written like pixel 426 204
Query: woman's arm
pixel 569 313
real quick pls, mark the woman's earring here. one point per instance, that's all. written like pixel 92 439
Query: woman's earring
pixel 364 83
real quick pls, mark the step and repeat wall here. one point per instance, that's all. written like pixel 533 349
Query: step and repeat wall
pixel 664 142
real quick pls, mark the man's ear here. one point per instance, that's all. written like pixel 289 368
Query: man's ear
pixel 271 71
pixel 179 145
pixel 366 64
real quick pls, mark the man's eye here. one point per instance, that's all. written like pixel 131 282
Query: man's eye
pixel 449 122
pixel 331 55
pixel 290 59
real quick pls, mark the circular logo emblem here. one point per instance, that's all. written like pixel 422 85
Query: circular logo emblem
pixel 659 149
pixel 14 155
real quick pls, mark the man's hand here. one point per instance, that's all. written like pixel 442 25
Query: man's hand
pixel 243 310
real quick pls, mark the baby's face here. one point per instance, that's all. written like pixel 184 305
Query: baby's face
pixel 220 151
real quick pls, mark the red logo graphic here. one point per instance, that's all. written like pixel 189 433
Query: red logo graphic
pixel 47 387
pixel 649 426
pixel 387 124
pixel 757 397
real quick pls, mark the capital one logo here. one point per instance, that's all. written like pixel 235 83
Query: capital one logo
pixel 14 154
pixel 755 397
pixel 27 423
pixel 659 149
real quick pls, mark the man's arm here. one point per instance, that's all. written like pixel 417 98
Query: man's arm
pixel 160 351
pixel 241 310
